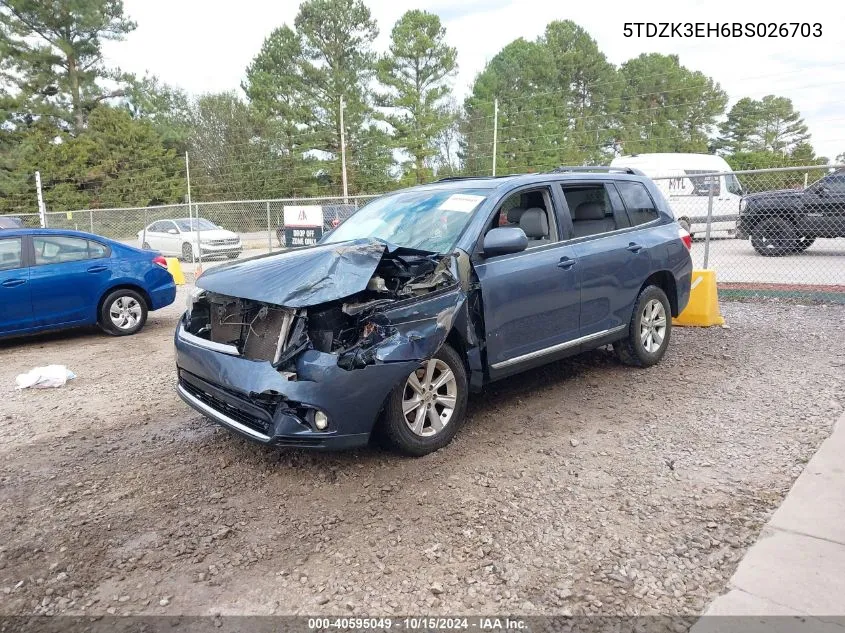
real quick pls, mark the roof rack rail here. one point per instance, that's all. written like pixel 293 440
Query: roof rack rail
pixel 446 178
pixel 578 168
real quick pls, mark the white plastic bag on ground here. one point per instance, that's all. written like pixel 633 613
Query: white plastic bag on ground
pixel 44 377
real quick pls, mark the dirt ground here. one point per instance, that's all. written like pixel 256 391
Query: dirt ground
pixel 581 487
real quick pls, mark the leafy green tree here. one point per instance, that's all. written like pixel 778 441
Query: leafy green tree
pixel 737 132
pixel 117 161
pixel 276 88
pixel 166 107
pixel 53 55
pixel 415 72
pixel 801 155
pixel 297 81
pixel 228 148
pixel 589 92
pixel 665 107
pixel 770 124
pixel 337 62
pixel 557 96
pixel 518 76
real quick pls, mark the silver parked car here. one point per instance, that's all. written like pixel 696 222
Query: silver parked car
pixel 186 237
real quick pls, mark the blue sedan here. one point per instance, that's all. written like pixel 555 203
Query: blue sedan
pixel 52 279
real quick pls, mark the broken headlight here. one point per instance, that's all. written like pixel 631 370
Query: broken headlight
pixel 193 296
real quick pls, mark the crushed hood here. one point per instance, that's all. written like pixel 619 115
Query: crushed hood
pixel 302 277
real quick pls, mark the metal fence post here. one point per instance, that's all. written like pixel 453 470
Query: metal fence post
pixel 709 222
pixel 91 219
pixel 269 232
pixel 42 211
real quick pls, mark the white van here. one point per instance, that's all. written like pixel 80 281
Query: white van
pixel 679 177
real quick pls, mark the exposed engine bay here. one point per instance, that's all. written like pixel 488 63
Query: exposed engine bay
pixel 350 327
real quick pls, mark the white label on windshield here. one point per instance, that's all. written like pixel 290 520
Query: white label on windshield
pixel 461 202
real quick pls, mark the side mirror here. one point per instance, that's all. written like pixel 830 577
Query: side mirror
pixel 504 240
pixel 173 231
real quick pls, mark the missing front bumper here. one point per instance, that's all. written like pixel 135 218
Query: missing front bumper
pixel 226 387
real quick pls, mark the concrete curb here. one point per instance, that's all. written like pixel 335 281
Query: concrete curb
pixel 797 566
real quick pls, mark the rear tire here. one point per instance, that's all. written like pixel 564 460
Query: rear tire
pixel 123 312
pixel 425 411
pixel 649 330
pixel 775 237
pixel 232 255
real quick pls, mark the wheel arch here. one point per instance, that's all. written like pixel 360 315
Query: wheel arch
pixel 664 280
pixel 124 286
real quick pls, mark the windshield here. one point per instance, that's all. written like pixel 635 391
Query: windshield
pixel 204 225
pixel 428 220
pixel 732 184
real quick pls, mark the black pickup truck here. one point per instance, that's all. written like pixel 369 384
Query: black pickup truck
pixel 786 222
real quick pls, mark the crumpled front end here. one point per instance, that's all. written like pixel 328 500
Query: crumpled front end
pixel 315 375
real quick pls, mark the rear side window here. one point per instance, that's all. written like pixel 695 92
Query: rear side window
pixel 97 250
pixel 10 254
pixel 637 200
pixel 592 210
pixel 58 249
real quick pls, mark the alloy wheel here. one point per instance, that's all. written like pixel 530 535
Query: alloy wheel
pixel 429 398
pixel 652 325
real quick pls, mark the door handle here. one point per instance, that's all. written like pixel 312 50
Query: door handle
pixel 11 283
pixel 97 269
pixel 634 247
pixel 566 263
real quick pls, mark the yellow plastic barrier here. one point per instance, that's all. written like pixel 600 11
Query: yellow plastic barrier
pixel 175 269
pixel 703 307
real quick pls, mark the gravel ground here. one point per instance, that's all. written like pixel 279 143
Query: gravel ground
pixel 581 487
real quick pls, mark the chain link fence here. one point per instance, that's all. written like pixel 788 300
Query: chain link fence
pixel 199 230
pixel 765 232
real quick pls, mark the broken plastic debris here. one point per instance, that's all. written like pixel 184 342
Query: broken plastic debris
pixel 44 377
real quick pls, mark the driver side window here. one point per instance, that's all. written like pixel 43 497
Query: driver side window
pixel 531 211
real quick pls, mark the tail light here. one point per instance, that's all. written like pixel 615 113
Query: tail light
pixel 158 259
pixel 686 238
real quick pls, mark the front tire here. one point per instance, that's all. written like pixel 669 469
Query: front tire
pixel 123 312
pixel 649 331
pixel 774 237
pixel 146 246
pixel 424 412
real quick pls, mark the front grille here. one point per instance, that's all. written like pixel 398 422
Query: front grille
pixel 225 242
pixel 239 415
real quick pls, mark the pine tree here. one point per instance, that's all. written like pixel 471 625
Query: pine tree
pixel 415 72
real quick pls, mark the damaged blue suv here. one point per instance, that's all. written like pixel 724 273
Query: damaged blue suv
pixel 425 294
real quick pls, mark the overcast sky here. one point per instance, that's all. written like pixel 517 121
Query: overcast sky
pixel 205 45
